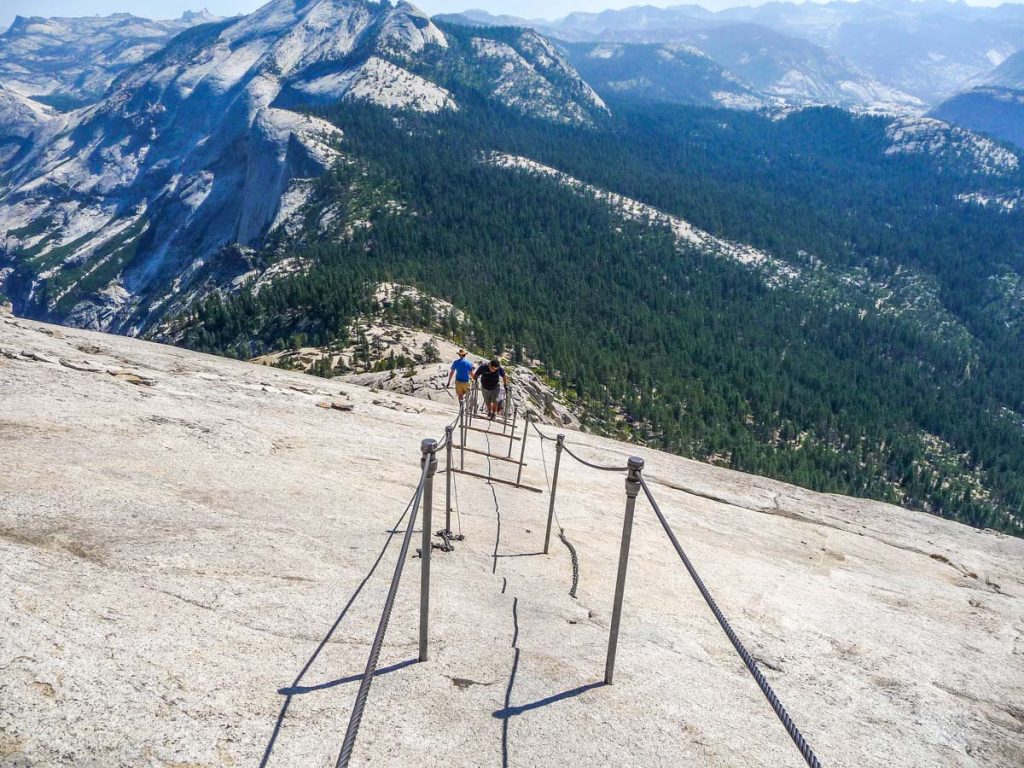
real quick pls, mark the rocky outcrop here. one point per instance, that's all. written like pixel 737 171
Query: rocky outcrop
pixel 387 356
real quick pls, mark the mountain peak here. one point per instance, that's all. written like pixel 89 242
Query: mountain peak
pixel 198 17
pixel 21 23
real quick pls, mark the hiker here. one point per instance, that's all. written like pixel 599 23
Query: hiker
pixel 501 401
pixel 461 369
pixel 491 375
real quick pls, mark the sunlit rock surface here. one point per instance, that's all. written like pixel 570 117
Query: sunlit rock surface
pixel 179 535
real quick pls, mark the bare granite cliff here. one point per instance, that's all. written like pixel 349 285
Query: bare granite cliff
pixel 191 572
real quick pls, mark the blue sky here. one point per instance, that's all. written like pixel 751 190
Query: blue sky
pixel 164 9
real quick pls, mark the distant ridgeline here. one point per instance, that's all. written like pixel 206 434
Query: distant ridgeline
pixel 886 362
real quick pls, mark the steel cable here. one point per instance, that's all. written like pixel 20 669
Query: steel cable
pixel 378 641
pixel 581 445
pixel 766 689
pixel 544 461
pixel 330 633
pixel 575 561
pixel 584 462
pixel 444 440
pixel 537 430
pixel 561 531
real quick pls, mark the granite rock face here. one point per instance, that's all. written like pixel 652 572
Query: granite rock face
pixel 191 574
pixel 119 214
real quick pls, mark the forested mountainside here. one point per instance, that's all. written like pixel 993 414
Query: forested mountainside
pixel 876 352
pixel 992 110
pixel 823 298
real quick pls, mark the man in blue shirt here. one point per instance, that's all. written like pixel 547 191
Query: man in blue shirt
pixel 461 370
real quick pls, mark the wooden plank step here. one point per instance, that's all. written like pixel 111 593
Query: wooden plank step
pixel 498 422
pixel 456 447
pixel 498 480
pixel 493 433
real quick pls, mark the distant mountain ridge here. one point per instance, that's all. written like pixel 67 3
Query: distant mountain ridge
pixel 69 62
pixel 673 72
pixel 115 213
pixel 1010 73
pixel 886 53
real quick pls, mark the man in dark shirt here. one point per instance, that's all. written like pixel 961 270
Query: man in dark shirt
pixel 490 375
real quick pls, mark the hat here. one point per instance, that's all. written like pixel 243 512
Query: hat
pixel 461 351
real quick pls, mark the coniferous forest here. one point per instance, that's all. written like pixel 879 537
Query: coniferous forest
pixel 674 347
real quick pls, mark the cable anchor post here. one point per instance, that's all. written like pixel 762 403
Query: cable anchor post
pixel 515 412
pixel 472 401
pixel 554 488
pixel 636 465
pixel 448 433
pixel 522 449
pixel 506 411
pixel 428 458
pixel 462 431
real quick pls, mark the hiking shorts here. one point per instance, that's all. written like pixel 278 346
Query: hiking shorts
pixel 490 395
pixel 462 388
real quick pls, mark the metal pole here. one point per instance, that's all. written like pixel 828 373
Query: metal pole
pixel 448 433
pixel 428 449
pixel 462 432
pixel 510 407
pixel 636 465
pixel 554 487
pixel 522 450
pixel 515 412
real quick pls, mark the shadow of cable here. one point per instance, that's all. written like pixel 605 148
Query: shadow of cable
pixel 507 712
pixel 298 690
pixel 323 643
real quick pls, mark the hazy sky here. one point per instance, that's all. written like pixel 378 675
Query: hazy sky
pixel 164 9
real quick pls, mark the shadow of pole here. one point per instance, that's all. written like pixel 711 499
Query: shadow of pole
pixel 298 690
pixel 511 680
pixel 294 688
pixel 507 712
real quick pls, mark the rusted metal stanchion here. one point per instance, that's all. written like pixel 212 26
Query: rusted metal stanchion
pixel 428 449
pixel 636 465
pixel 554 488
